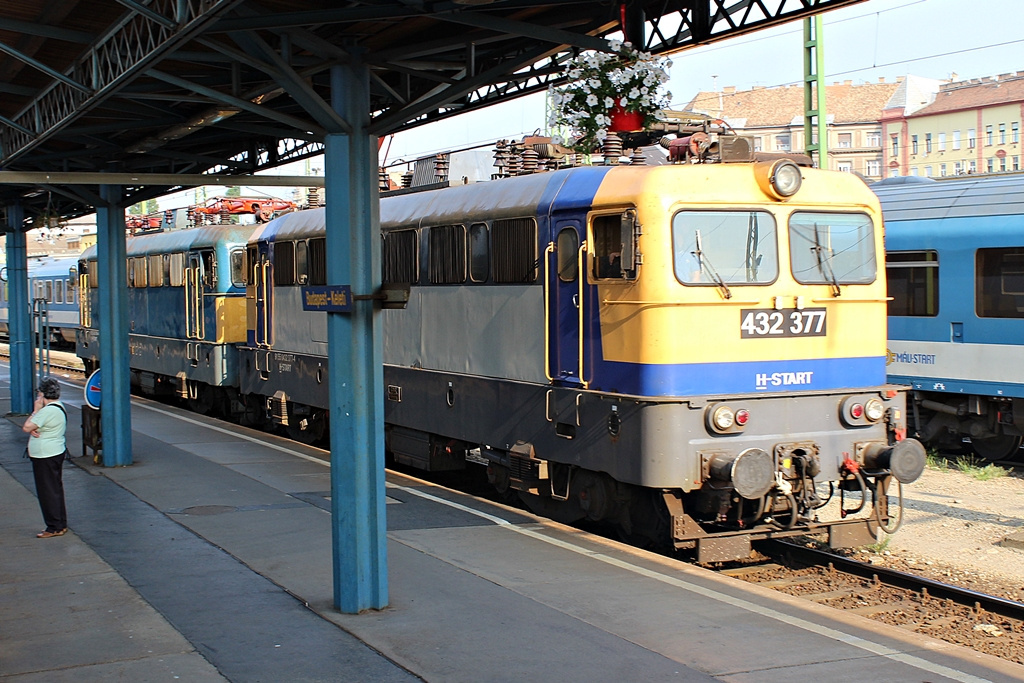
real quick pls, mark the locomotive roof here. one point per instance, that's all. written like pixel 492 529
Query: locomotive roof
pixel 173 241
pixel 983 195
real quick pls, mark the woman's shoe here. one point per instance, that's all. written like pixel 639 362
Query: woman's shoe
pixel 51 534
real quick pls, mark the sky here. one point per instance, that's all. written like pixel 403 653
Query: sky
pixel 864 42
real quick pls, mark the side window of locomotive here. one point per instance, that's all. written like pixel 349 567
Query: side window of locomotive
pixel 514 257
pixel 318 261
pixel 301 263
pixel 446 260
pixel 209 265
pixel 607 247
pixel 999 283
pixel 284 264
pixel 479 252
pixel 568 255
pixel 832 248
pixel 237 261
pixel 93 274
pixel 137 271
pixel 177 267
pixel 913 283
pixel 155 264
pixel 251 261
pixel 400 258
pixel 725 247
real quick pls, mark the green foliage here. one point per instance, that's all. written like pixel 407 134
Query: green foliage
pixel 969 465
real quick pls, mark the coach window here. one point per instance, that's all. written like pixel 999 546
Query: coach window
pixel 832 248
pixel 58 291
pixel 301 263
pixel 237 260
pixel 913 282
pixel 318 261
pixel 284 264
pixel 719 248
pixel 514 257
pixel 999 283
pixel 400 258
pixel 479 252
pixel 568 255
pixel 177 268
pixel 446 257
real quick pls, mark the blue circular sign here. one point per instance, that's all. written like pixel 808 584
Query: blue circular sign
pixel 92 390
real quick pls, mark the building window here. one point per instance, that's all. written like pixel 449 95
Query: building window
pixel 973 167
pixel 894 173
pixel 942 170
pixel 782 142
pixel 873 168
pixel 958 168
pixel 913 282
pixel 927 171
pixel 1014 132
pixel 913 171
pixel 991 164
pixel 845 167
pixel 845 140
pixel 971 138
pixel 913 144
pixel 1016 163
pixel 1002 163
pixel 927 143
pixel 873 139
pixel 942 142
pixel 1002 133
pixel 895 145
pixel 757 144
pixel 956 139
pixel 988 135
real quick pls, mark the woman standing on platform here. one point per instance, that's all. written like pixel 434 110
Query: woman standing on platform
pixel 46 447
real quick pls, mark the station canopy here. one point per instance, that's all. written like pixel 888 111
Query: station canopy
pixel 233 87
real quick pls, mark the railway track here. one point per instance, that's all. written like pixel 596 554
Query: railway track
pixel 63 361
pixel 986 623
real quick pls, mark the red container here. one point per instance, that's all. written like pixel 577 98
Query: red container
pixel 624 121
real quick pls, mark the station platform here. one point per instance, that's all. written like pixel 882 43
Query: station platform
pixel 209 559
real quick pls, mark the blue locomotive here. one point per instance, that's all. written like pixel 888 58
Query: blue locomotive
pixel 692 353
pixel 955 262
pixel 53 291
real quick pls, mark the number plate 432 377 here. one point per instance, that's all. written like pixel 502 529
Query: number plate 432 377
pixel 759 323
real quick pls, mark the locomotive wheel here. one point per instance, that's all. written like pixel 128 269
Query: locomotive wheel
pixel 1002 447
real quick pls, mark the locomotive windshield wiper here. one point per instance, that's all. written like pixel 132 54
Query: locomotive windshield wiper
pixel 706 267
pixel 825 262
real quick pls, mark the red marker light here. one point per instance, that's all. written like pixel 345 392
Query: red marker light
pixel 857 410
pixel 742 416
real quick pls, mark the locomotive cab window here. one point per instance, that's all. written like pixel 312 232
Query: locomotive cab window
pixel 607 246
pixel 568 256
pixel 209 266
pixel 719 248
pixel 832 248
pixel 999 283
pixel 913 282
pixel 237 260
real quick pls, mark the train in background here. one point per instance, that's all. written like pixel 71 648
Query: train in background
pixel 955 262
pixel 693 353
pixel 53 291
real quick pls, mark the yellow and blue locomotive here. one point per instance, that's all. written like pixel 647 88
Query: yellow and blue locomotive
pixel 692 352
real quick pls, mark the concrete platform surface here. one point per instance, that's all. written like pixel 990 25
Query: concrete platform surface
pixel 210 558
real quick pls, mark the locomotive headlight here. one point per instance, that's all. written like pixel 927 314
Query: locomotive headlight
pixel 874 410
pixel 723 418
pixel 779 179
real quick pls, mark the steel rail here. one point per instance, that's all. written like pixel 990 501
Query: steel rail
pixel 891 577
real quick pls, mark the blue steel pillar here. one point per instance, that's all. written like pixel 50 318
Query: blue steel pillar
pixel 355 371
pixel 19 318
pixel 115 416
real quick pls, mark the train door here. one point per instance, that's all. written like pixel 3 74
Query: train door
pixel 194 318
pixel 565 303
pixel 263 289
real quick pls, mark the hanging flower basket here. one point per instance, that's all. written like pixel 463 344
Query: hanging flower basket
pixel 608 92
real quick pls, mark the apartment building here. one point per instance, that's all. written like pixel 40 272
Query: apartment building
pixel 774 117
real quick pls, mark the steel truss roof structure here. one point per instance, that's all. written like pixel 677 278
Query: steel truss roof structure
pixel 232 87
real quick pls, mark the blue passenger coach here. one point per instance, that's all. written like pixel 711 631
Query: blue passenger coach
pixel 53 290
pixel 955 262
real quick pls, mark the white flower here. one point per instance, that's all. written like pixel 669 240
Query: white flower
pixel 634 93
pixel 609 102
pixel 594 83
pixel 601 134
pixel 615 45
pixel 623 102
pixel 557 139
pixel 592 100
